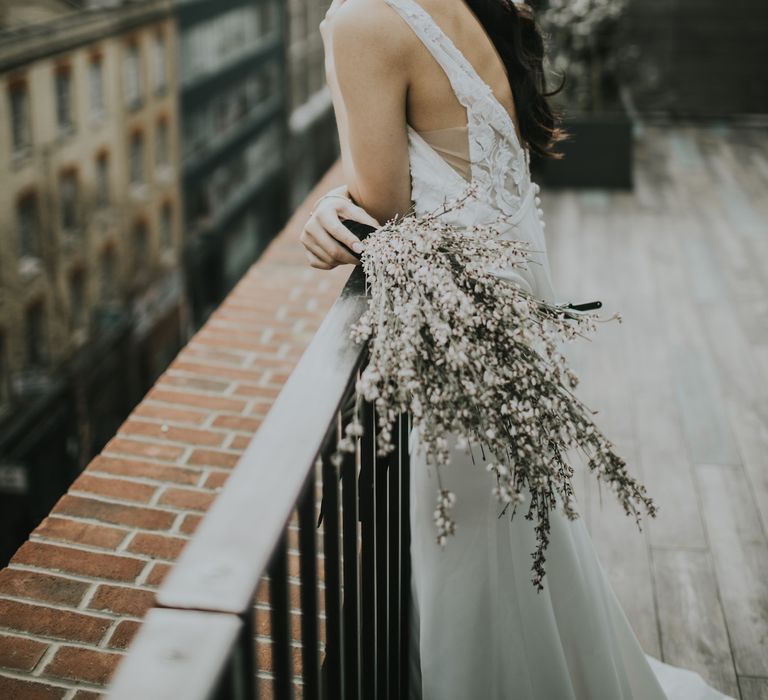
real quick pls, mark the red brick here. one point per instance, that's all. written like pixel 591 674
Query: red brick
pixel 215 403
pixel 211 370
pixel 190 523
pixel 42 586
pixel 87 695
pixel 158 573
pixel 124 633
pixel 213 458
pixel 138 448
pixel 268 392
pixel 241 423
pixel 215 480
pixel 19 653
pixel 79 532
pixel 114 488
pixel 204 352
pixel 77 561
pixel 166 414
pixel 121 600
pixel 187 498
pixel 239 341
pixel 157 546
pixel 240 442
pixel 192 436
pixel 279 378
pixel 14 689
pixel 191 382
pixel 52 622
pixel 117 513
pixel 78 664
pixel 146 470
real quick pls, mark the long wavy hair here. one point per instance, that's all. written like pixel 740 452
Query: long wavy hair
pixel 512 28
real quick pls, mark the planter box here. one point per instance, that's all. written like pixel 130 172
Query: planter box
pixel 598 153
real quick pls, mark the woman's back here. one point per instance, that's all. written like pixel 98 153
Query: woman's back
pixel 431 103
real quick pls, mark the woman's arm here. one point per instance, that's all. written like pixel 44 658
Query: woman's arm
pixel 366 68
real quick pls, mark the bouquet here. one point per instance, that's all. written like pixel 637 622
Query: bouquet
pixel 468 353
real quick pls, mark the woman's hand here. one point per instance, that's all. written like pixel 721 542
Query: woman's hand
pixel 324 234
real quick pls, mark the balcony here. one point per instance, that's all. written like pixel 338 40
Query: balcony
pixel 191 534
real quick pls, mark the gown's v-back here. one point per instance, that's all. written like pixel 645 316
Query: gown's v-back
pixel 480 630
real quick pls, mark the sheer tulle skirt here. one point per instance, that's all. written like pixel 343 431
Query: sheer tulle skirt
pixel 481 630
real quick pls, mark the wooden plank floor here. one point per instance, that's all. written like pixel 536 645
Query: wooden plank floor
pixel 681 387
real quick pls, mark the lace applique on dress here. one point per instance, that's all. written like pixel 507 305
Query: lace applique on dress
pixel 499 164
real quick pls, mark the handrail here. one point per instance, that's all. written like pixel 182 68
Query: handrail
pixel 218 570
pixel 244 536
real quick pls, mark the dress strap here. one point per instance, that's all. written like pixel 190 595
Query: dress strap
pixel 466 83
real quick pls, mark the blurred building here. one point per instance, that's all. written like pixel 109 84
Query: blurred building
pixel 232 96
pixel 313 138
pixel 91 293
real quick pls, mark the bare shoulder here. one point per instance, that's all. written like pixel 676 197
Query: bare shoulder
pixel 373 26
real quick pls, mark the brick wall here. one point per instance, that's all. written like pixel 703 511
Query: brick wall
pixel 73 596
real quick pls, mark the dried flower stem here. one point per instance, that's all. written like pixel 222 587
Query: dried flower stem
pixel 467 353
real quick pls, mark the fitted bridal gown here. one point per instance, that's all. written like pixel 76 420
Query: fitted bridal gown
pixel 480 629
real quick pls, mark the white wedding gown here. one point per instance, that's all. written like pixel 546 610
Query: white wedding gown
pixel 480 629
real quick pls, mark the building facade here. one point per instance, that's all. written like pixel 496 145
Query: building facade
pixel 313 138
pixel 232 95
pixel 91 292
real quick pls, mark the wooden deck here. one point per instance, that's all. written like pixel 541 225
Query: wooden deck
pixel 681 388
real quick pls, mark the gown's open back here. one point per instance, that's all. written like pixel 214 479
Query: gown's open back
pixel 480 629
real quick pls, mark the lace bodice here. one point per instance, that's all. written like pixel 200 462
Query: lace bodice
pixel 499 163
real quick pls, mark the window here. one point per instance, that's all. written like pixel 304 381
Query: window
pixel 20 116
pixel 132 75
pixel 102 180
pixel 137 158
pixel 5 392
pixel 107 272
pixel 63 79
pixel 29 226
pixel 77 299
pixel 166 226
pixel 96 86
pixel 36 345
pixel 68 202
pixel 161 143
pixel 159 79
pixel 140 246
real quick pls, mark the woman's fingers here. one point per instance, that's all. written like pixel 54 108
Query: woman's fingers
pixel 330 220
pixel 331 245
pixel 314 261
pixel 312 231
pixel 350 210
pixel 324 246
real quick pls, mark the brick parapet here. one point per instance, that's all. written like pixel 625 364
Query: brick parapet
pixel 73 595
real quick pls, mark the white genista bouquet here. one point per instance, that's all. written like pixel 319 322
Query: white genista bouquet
pixel 469 354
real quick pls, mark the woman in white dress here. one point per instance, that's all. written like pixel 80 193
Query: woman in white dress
pixel 425 106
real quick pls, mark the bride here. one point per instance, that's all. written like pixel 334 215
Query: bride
pixel 431 97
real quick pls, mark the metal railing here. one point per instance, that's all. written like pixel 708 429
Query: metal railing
pixel 329 542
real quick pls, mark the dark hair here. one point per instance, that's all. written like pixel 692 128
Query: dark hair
pixel 514 33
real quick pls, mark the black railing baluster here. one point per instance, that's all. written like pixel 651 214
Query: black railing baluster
pixel 382 576
pixel 332 672
pixel 308 595
pixel 238 682
pixel 405 554
pixel 279 622
pixel 368 556
pixel 395 568
pixel 350 539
